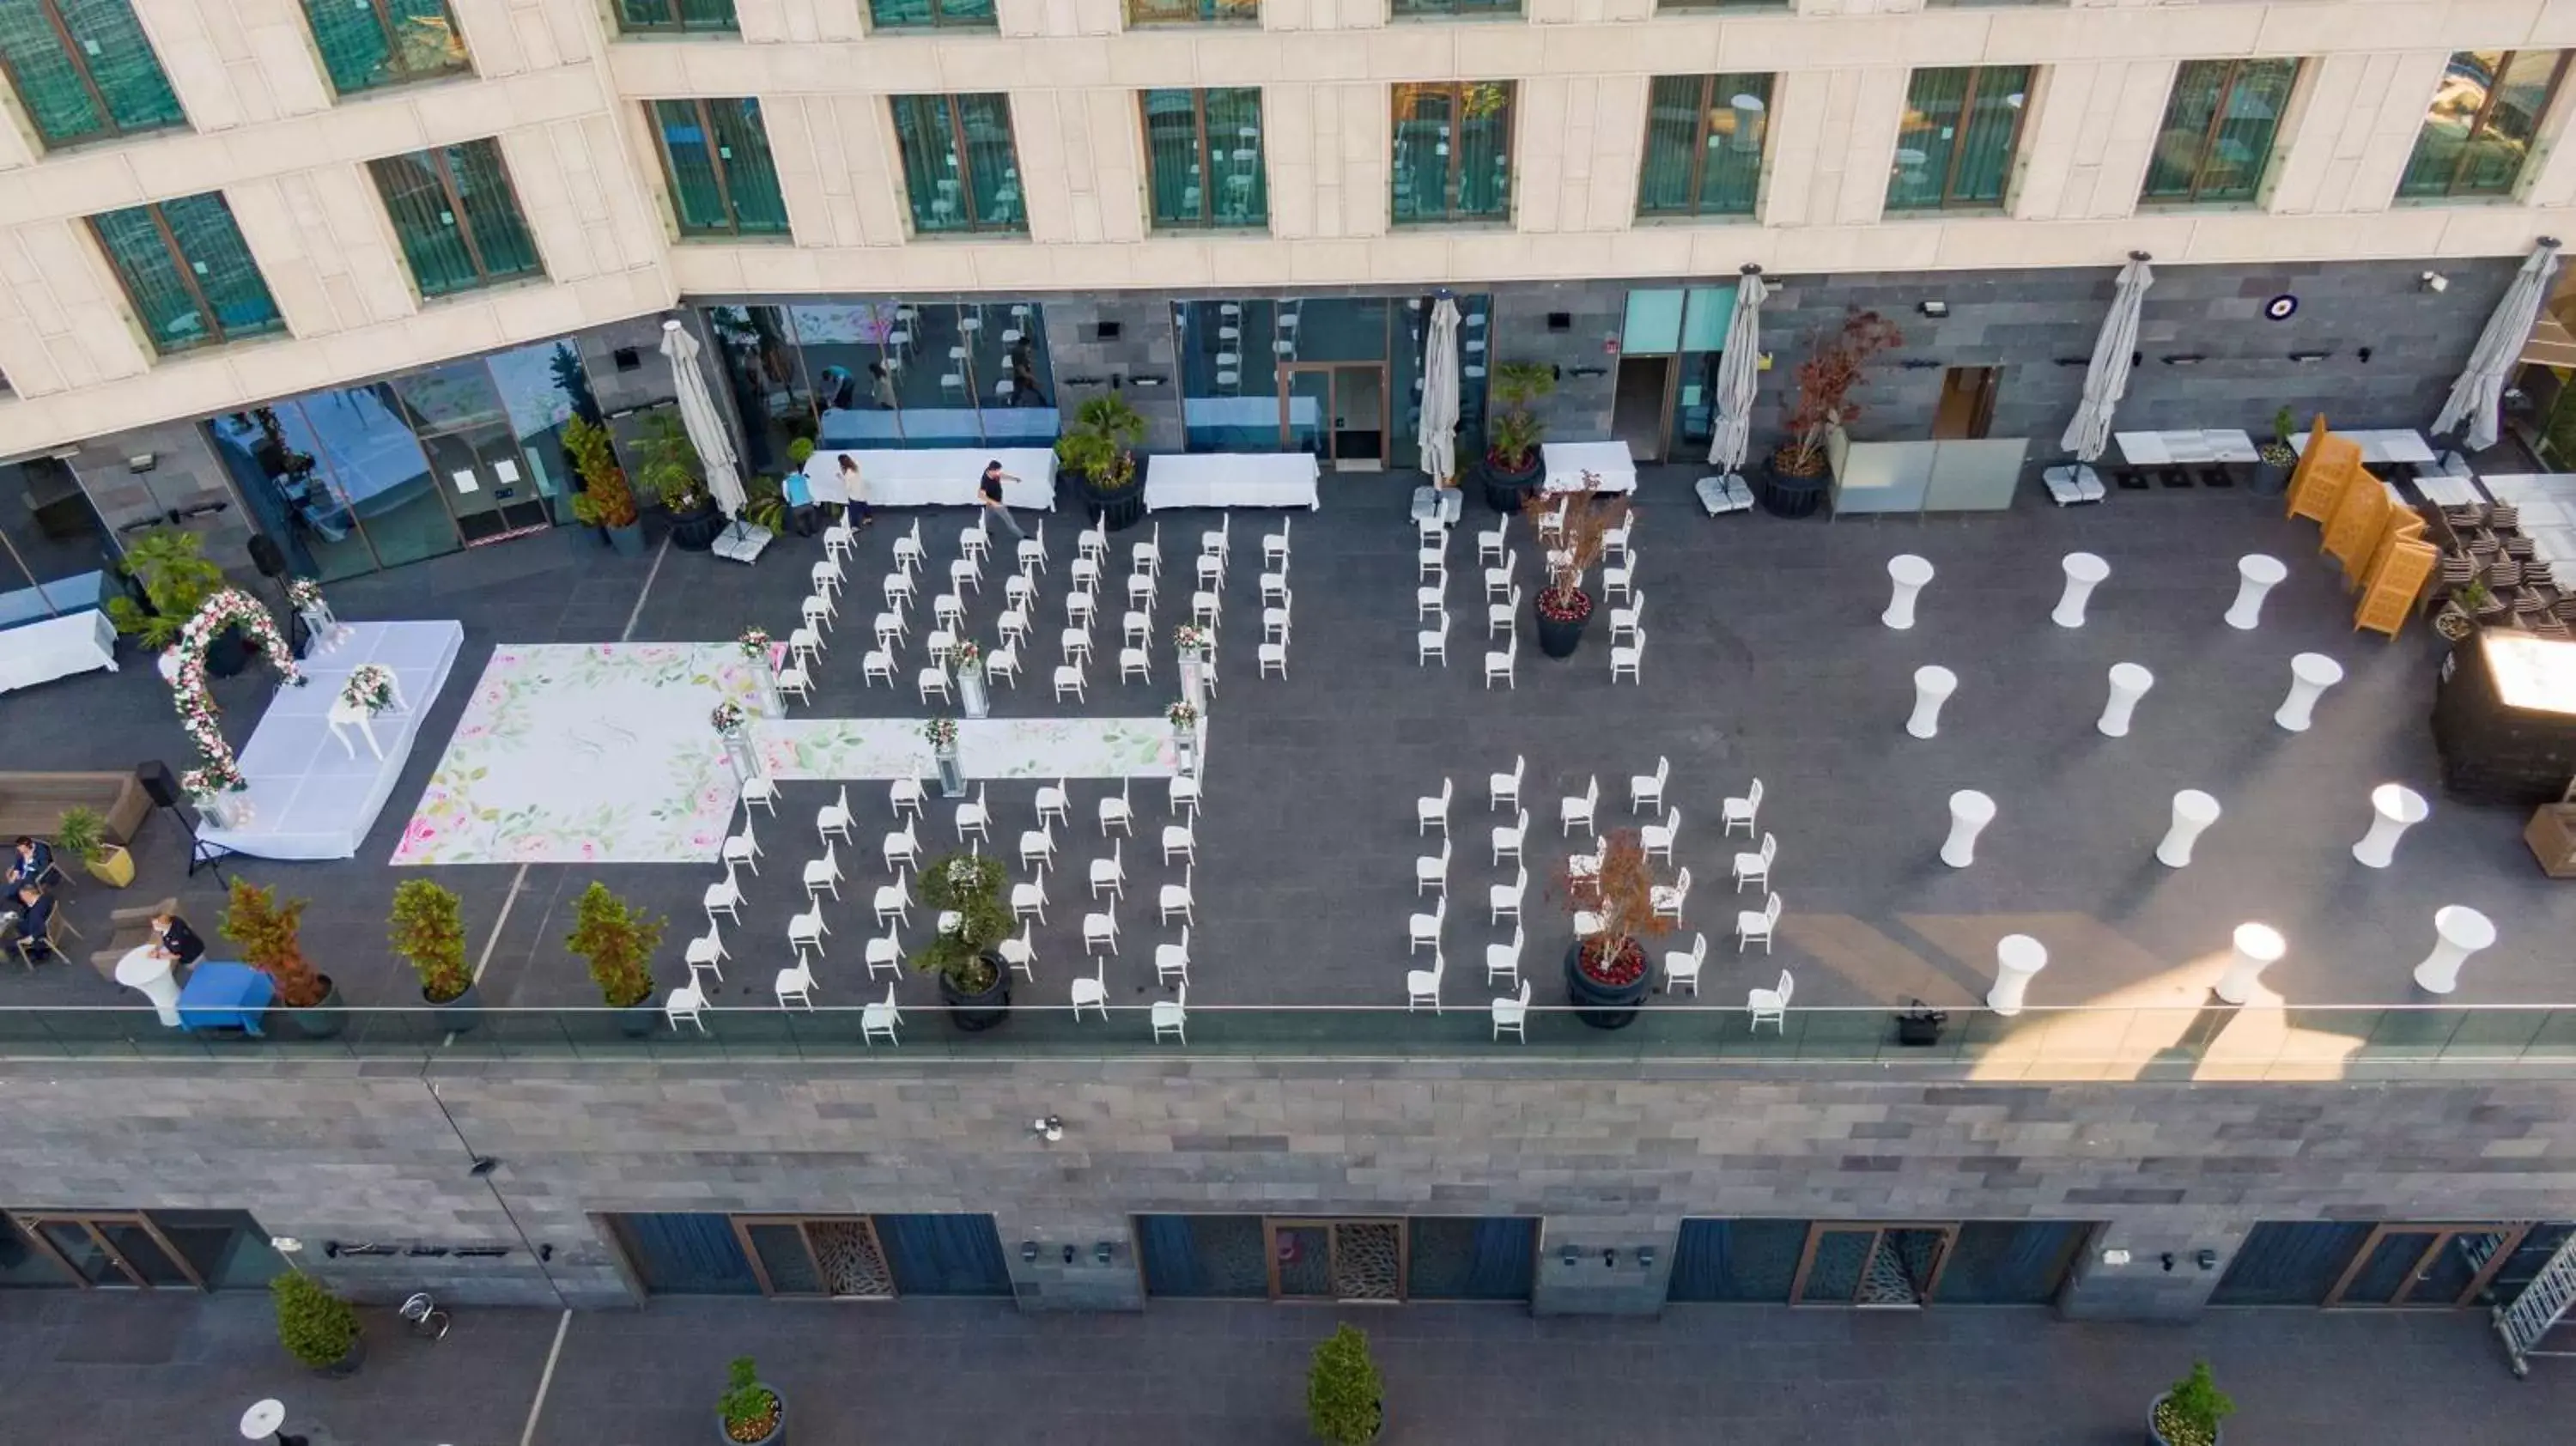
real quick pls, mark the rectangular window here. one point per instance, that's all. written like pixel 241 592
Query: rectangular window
pixel 1453 152
pixel 1203 148
pixel 1955 146
pixel 368 44
pixel 959 166
pixel 1193 12
pixel 2216 140
pixel 1704 141
pixel 1695 7
pixel 716 154
pixel 1454 9
pixel 2479 129
pixel 188 272
pixel 84 71
pixel 457 217
pixel 649 17
pixel 932 14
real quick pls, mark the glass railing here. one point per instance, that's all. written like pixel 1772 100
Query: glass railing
pixel 2070 1043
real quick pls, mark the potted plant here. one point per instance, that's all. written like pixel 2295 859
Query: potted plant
pixel 617 940
pixel 1094 451
pixel 1562 607
pixel 1607 975
pixel 668 465
pixel 1345 1396
pixel 428 930
pixel 171 569
pixel 83 835
pixel 1794 480
pixel 266 930
pixel 1511 465
pixel 604 501
pixel 2276 458
pixel 2189 1413
pixel 974 982
pixel 317 1327
pixel 753 1412
pixel 800 450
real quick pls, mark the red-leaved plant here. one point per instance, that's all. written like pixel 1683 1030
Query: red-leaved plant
pixel 1825 382
pixel 1589 519
pixel 1623 897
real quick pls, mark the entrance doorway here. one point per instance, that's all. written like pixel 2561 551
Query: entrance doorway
pixel 1638 410
pixel 1967 406
pixel 1337 411
pixel 2443 1266
pixel 1882 1266
pixel 120 1250
pixel 1345 1261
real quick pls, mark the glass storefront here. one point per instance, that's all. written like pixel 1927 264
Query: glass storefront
pixel 55 557
pixel 1866 1264
pixel 1317 375
pixel 1258 1257
pixel 828 1257
pixel 135 1250
pixel 888 373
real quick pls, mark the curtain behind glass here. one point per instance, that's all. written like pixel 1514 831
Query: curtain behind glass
pixel 2242 149
pixel 1986 141
pixel 1739 129
pixel 1240 192
pixel 992 164
pixel 121 62
pixel 213 248
pixel 1423 121
pixel 689 15
pixel 151 275
pixel 492 210
pixel 690 162
pixel 751 175
pixel 2010 1263
pixel 1176 187
pixel 675 1254
pixel 1673 137
pixel 2284 1263
pixel 48 83
pixel 1485 151
pixel 2179 141
pixel 1736 1260
pixel 1925 137
pixel 943 1254
pixel 432 242
pixel 931 177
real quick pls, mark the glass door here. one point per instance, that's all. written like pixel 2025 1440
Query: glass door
pixel 1359 417
pixel 835 1258
pixel 116 1251
pixel 1305 411
pixel 473 452
pixel 1872 1265
pixel 2425 1265
pixel 1343 1261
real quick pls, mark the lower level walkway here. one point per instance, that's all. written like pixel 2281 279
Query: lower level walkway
pixel 179 1371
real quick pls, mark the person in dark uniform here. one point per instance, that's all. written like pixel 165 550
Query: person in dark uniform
pixel 34 910
pixel 990 490
pixel 29 861
pixel 173 940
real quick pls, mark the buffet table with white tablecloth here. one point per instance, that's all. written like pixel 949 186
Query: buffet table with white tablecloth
pixel 943 477
pixel 1566 462
pixel 1231 479
pixel 2379 448
pixel 40 652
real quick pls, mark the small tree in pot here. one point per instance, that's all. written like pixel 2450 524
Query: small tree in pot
pixel 1562 607
pixel 1345 1396
pixel 1826 379
pixel 316 1327
pixel 267 932
pixel 428 929
pixel 2276 459
pixel 604 501
pixel 1095 449
pixel 754 1412
pixel 668 465
pixel 617 940
pixel 1513 434
pixel 2189 1413
pixel 973 980
pixel 1607 973
pixel 83 834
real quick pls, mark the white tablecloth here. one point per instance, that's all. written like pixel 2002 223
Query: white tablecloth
pixel 2157 449
pixel 1231 479
pixel 2547 502
pixel 939 478
pixel 2378 448
pixel 1566 462
pixel 40 652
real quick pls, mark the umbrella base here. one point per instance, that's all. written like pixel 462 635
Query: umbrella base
pixel 740 541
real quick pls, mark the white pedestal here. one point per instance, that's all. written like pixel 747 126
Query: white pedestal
pixel 1970 812
pixel 2394 808
pixel 1908 573
pixel 2193 812
pixel 345 715
pixel 2084 572
pixel 150 974
pixel 2459 931
pixel 2256 576
pixel 2017 958
pixel 973 699
pixel 2310 675
pixel 1932 687
pixel 2129 683
pixel 1194 680
pixel 2258 947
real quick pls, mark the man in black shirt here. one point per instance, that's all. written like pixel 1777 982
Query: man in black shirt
pixel 990 489
pixel 173 940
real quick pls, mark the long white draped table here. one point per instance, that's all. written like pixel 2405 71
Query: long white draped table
pixel 40 652
pixel 2160 449
pixel 1232 479
pixel 941 477
pixel 1567 462
pixel 2381 447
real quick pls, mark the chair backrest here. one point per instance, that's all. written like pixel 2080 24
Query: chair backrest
pixel 1681 886
pixel 1512 560
pixel 1520 882
pixel 1525 994
pixel 1771 908
pixel 1672 823
pixel 1770 847
pixel 1516 596
pixel 1181 996
pixel 1637 606
pixel 1663 768
pixel 1788 986
pixel 1448 787
pixel 1520 770
pixel 1753 795
pixel 1520 824
pixel 1118 853
pixel 1699 948
pixel 1592 792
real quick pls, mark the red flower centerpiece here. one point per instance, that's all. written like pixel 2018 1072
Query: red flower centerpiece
pixel 1610 894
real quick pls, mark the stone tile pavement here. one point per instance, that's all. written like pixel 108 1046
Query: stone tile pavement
pixel 177 1371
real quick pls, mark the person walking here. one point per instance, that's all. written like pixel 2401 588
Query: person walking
pixel 990 490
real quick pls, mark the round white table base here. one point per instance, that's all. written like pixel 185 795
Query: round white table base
pixel 2193 813
pixel 2084 572
pixel 142 970
pixel 262 1420
pixel 2256 576
pixel 2129 683
pixel 1932 687
pixel 2394 808
pixel 1907 574
pixel 2017 958
pixel 2458 931
pixel 2258 947
pixel 2310 675
pixel 1970 812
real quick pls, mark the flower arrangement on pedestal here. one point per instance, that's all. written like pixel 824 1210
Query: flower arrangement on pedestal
pixel 212 779
pixel 1183 717
pixel 754 643
pixel 970 655
pixel 198 715
pixel 727 716
pixel 370 686
pixel 942 733
pixel 1190 637
pixel 304 593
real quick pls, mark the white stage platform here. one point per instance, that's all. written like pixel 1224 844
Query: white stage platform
pixel 308 798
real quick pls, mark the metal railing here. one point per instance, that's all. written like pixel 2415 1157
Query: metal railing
pixel 2334 1042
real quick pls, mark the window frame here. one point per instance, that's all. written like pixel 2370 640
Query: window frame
pixel 717 166
pixel 2236 65
pixel 678 23
pixel 990 21
pixel 2486 113
pixel 1697 209
pixel 1203 12
pixel 975 225
pixel 1959 139
pixel 1457 91
pixel 215 333
pixel 1438 10
pixel 441 167
pixel 78 59
pixel 1207 217
pixel 400 74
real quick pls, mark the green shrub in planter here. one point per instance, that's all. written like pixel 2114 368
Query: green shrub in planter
pixel 1345 1398
pixel 751 1410
pixel 2189 1413
pixel 316 1327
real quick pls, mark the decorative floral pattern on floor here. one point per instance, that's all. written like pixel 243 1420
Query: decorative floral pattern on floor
pixel 884 748
pixel 592 753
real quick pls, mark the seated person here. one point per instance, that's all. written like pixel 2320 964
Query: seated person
pixel 34 911
pixel 173 940
pixel 29 861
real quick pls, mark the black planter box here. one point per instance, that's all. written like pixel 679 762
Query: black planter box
pixel 1505 491
pixel 1114 511
pixel 1786 496
pixel 1600 1005
pixel 975 1013
pixel 1559 637
pixel 696 531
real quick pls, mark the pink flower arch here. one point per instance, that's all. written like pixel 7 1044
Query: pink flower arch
pixel 197 712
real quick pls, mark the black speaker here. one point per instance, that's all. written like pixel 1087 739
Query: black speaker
pixel 267 556
pixel 158 783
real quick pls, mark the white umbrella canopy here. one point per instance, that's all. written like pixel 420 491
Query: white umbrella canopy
pixel 2106 379
pixel 2476 397
pixel 1439 430
pixel 698 416
pixel 1738 371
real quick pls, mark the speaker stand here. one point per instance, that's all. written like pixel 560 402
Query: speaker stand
pixel 201 854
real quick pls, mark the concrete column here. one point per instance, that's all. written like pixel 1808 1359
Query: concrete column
pixel 2084 572
pixel 2149 1269
pixel 2310 675
pixel 1608 1276
pixel 1932 687
pixel 1908 574
pixel 2193 812
pixel 2256 576
pixel 1050 1282
pixel 2129 683
pixel 2459 931
pixel 2394 808
pixel 2017 958
pixel 1970 812
pixel 2258 947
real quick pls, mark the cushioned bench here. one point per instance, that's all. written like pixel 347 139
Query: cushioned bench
pixel 34 803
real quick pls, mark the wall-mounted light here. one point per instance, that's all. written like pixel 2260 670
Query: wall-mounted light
pixel 2168 1259
pixel 1590 372
pixel 2310 356
pixel 1609 1257
pixel 1104 1252
pixel 1934 309
pixel 1645 1257
pixel 2115 1257
pixel 2184 359
pixel 1568 1257
pixel 2364 354
pixel 1028 1252
pixel 1049 1128
pixel 2205 1258
pixel 2436 281
pixel 1068 1256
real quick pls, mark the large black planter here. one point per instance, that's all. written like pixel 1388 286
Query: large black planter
pixel 1115 510
pixel 1506 490
pixel 1603 1006
pixel 1559 637
pixel 975 1013
pixel 323 1020
pixel 2271 479
pixel 637 1020
pixel 696 531
pixel 227 653
pixel 1786 496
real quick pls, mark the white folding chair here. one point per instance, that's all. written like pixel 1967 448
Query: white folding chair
pixel 1430 599
pixel 1079 608
pixel 1110 874
pixel 1019 590
pixel 1683 968
pixel 1172 1016
pixel 877 663
pixel 1616 581
pixel 1504 617
pixel 742 848
pixel 973 817
pixel 1211 571
pixel 1135 663
pixel 1185 794
pixel 797 981
pixel 1771 1005
pixel 823 875
pixel 806 930
pixel 1029 900
pixel 1432 642
pixel 1274 620
pixel 893 904
pixel 706 952
pixel 948 610
pixel 1101 928
pixel 1037 846
pixel 1086 573
pixel 1092 993
pixel 1220 543
pixel 1646 790
pixel 1501 899
pixel 1490 541
pixel 964 573
pixel 818 612
pixel 1508 837
pixel 1421 929
pixel 908 553
pixel 901 795
pixel 1628 658
pixel 879 1019
pixel 1271 655
pixel 725 894
pixel 1177 839
pixel 1020 953
pixel 685 1002
pixel 1172 961
pixel 1657 838
pixel 1742 810
pixel 1504 663
pixel 1498 580
pixel 1119 812
pixel 1434 809
pixel 840 539
pixel 1431 871
pixel 1422 986
pixel 1755 868
pixel 1136 628
pixel 1175 898
pixel 1147 556
pixel 1274 547
pixel 1068 679
pixel 891 629
pixel 1073 645
pixel 886 952
pixel 1576 809
pixel 1615 539
pixel 1505 788
pixel 1014 625
pixel 1092 543
pixel 794 679
pixel 1503 961
pixel 934 679
pixel 899 591
pixel 1623 621
pixel 1032 550
pixel 760 789
pixel 1750 926
pixel 941 644
pixel 804 647
pixel 1274 585
pixel 1003 664
pixel 973 541
pixel 1513 1014
pixel 1670 898
pixel 1056 801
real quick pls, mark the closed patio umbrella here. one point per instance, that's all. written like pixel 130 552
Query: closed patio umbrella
pixel 1439 432
pixel 2479 392
pixel 1738 370
pixel 703 423
pixel 2106 380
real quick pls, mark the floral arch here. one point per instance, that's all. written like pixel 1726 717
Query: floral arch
pixel 218 770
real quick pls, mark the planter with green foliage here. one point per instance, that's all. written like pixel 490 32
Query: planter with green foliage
pixel 604 501
pixel 2276 459
pixel 668 465
pixel 617 940
pixel 752 1412
pixel 1345 1398
pixel 317 1327
pixel 83 835
pixel 1095 451
pixel 269 934
pixel 1512 467
pixel 429 930
pixel 2190 1413
pixel 974 982
pixel 171 569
